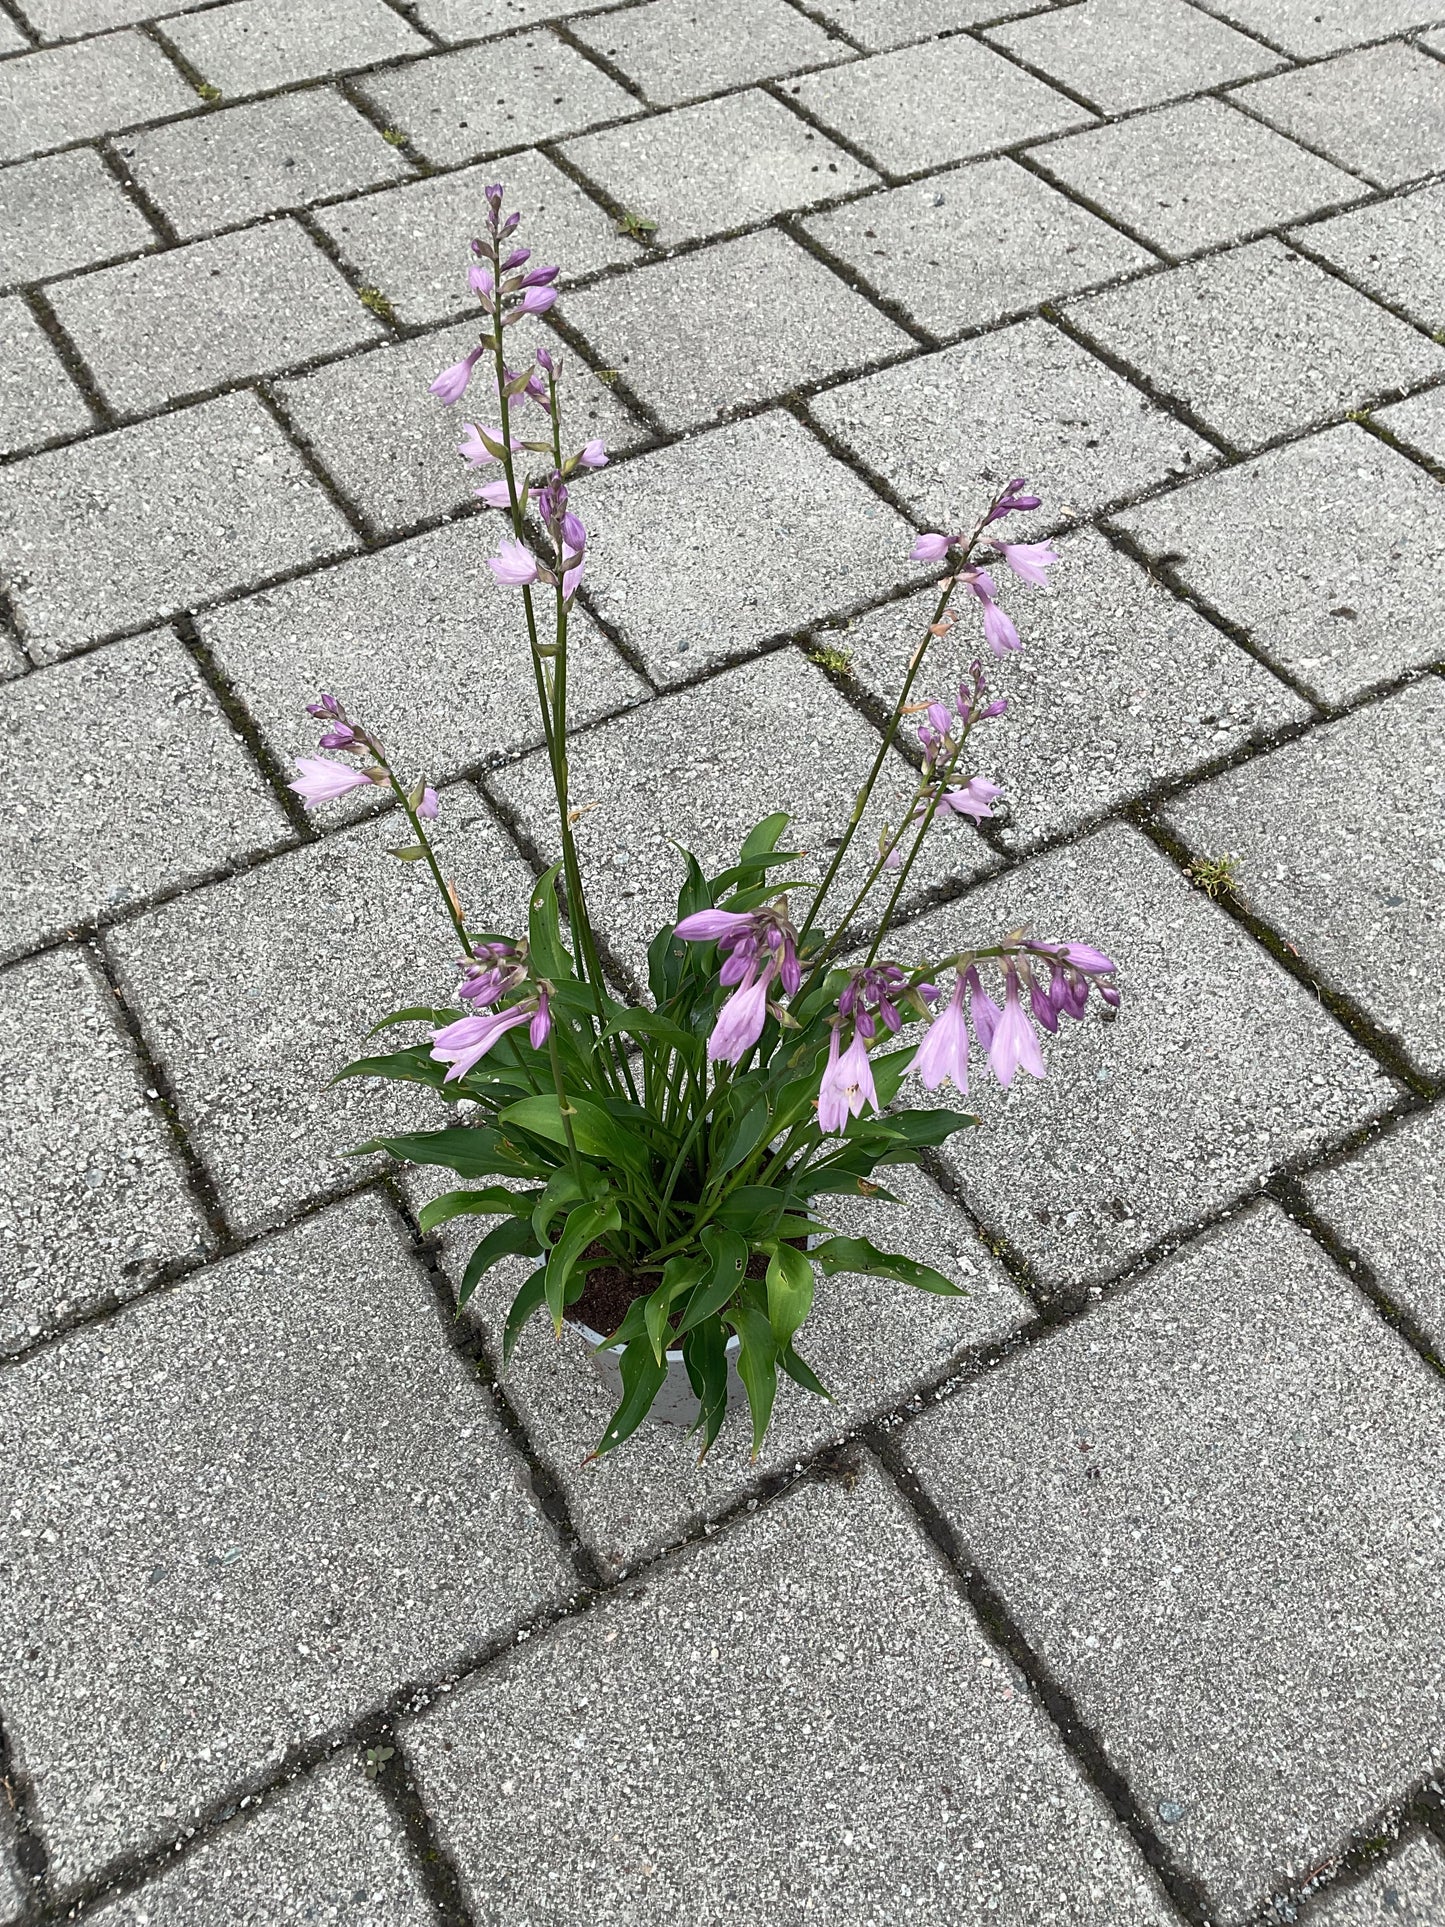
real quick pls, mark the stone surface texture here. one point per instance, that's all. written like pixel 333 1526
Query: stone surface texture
pixel 310 1610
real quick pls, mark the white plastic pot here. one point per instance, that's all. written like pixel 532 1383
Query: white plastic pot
pixel 676 1402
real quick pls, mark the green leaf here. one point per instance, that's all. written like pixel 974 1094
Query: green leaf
pixel 679 1275
pixel 562 1189
pixel 790 1293
pixel 510 1238
pixel 802 1372
pixel 496 1200
pixel 888 1072
pixel 727 1253
pixel 414 1014
pixel 920 1128
pixel 472 1151
pixel 743 1137
pixel 642 1380
pixel 704 1352
pixel 857 1254
pixel 584 1223
pixel 597 1135
pixel 694 894
pixel 529 1299
pixel 415 1065
pixel 759 1212
pixel 408 852
pixel 757 1366
pixel 548 954
pixel 651 1023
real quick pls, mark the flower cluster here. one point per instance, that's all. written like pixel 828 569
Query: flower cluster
pixel 760 948
pixel 322 780
pixel 1006 1035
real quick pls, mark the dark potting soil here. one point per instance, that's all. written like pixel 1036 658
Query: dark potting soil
pixel 610 1290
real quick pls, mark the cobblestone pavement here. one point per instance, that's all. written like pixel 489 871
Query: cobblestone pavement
pixel 1112 1593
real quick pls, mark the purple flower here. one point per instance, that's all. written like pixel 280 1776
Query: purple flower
pixel 326 706
pixel 1092 962
pixel 430 803
pixel 534 301
pixel 594 455
pixel 541 1022
pixel 451 384
pixel 999 633
pixel 740 1021
pixel 847 1085
pixel 538 277
pixel 479 280
pixel 711 926
pixel 321 781
pixel 1029 561
pixel 545 362
pixel 468 1040
pixel 930 548
pixel 514 565
pixel 1014 1046
pixel 944 1051
pixel 574 533
pixel 516 258
pixel 984 1011
pixel 473 449
pixel 975 799
pixel 496 494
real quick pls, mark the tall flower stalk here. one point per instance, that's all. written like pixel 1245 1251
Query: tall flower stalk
pixel 690 1142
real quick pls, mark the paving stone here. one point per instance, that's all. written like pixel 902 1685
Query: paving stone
pixel 12 1895
pixel 720 165
pixel 872 1343
pixel 417 640
pixel 1258 341
pixel 1213 1507
pixel 1407 1891
pixel 901 108
pixel 937 428
pixel 694 550
pixel 718 329
pixel 1419 422
pixel 1340 841
pixel 241 1513
pixel 1309 28
pixel 671 774
pixel 676 50
pixel 876 24
pixel 219 170
pixel 463 104
pixel 1192 176
pixel 1023 242
pixel 393 450
pixel 785 1684
pixel 1380 112
pixel 1219 1069
pixel 129 527
pixel 254 993
pixel 326 1849
pixel 177 323
pixel 1275 545
pixel 1123 54
pixel 1392 250
pixel 1119 686
pixel 411 242
pixel 12 41
pixel 64 94
pixel 56 19
pixel 255 44
pixel 38 401
pixel 92 1199
pixel 64 212
pixel 120 777
pixel 1388 1205
pixel 473 19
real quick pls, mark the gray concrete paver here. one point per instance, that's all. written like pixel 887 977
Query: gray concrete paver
pixel 12 41
pixel 120 778
pixel 463 104
pixel 1309 28
pixel 38 401
pixel 1189 177
pixel 177 323
pixel 93 1200
pixel 677 50
pixel 66 19
pixel 1391 250
pixel 410 242
pixel 720 165
pixel 880 24
pixel 1407 1891
pixel 1326 551
pixel 64 94
pixel 901 108
pixel 328 1843
pixel 62 212
pixel 255 993
pixel 1258 342
pixel 476 19
pixel 225 168
pixel 240 1513
pixel 1218 1069
pixel 1214 1509
pixel 1388 1204
pixel 394 450
pixel 1339 842
pixel 1024 242
pixel 639 1744
pixel 1380 112
pixel 730 326
pixel 694 548
pixel 132 526
pixel 936 429
pixel 1119 686
pixel 1420 423
pixel 250 45
pixel 1124 54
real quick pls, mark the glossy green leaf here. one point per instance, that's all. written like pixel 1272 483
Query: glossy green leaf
pixel 528 1300
pixel 679 1275
pixel 802 1372
pixel 727 1254
pixel 472 1151
pixel 583 1223
pixel 495 1201
pixel 757 1366
pixel 596 1133
pixel 415 1065
pixel 414 1014
pixel 642 1379
pixel 790 1293
pixel 704 1352
pixel 511 1237
pixel 858 1254
pixel 549 956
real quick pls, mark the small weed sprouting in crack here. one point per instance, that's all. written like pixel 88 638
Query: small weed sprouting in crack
pixel 207 92
pixel 396 136
pixel 637 227
pixel 828 656
pixel 1215 875
pixel 376 1758
pixel 375 302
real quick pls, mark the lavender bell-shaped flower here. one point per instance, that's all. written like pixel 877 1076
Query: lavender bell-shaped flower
pixel 943 1054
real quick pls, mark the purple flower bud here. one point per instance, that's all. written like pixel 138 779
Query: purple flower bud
pixel 494 195
pixel 574 534
pixel 1110 995
pixel 516 258
pixel 510 225
pixel 430 803
pixel 930 548
pixel 984 1011
pixel 451 384
pixel 710 926
pixel 938 715
pixel 1093 963
pixel 998 707
pixel 538 277
pixel 536 301
pixel 594 455
pixel 341 737
pixel 545 361
pixel 325 706
pixel 791 972
pixel 1041 1006
pixel 541 1022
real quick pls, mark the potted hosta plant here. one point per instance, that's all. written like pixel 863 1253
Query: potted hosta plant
pixel 666 1167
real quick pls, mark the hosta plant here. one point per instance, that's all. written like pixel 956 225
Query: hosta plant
pixel 665 1167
